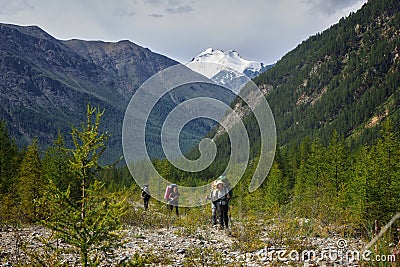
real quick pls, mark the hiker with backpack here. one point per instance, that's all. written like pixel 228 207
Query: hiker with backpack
pixel 145 196
pixel 230 190
pixel 173 198
pixel 227 185
pixel 222 196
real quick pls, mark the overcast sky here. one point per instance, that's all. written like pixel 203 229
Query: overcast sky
pixel 261 30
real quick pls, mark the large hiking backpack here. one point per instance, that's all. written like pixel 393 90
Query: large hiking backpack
pixel 168 191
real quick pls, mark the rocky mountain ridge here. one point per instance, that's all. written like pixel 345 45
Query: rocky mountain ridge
pixel 47 83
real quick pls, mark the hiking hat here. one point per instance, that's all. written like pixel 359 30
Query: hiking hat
pixel 222 177
pixel 219 182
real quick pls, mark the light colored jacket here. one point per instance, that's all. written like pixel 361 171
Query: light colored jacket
pixel 220 194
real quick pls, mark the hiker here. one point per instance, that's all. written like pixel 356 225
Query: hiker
pixel 223 197
pixel 227 185
pixel 145 196
pixel 212 197
pixel 173 199
pixel 229 188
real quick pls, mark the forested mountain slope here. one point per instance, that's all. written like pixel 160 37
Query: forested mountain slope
pixel 346 78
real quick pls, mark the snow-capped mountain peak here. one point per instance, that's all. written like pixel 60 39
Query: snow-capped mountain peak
pixel 226 68
pixel 230 59
pixel 205 52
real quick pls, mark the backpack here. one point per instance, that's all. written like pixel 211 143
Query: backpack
pixel 168 191
pixel 227 185
pixel 145 192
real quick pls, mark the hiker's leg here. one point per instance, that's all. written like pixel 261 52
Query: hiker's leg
pixel 225 208
pixel 221 215
pixel 171 207
pixel 214 215
pixel 177 211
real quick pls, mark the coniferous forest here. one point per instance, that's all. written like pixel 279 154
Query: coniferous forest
pixel 333 187
pixel 336 171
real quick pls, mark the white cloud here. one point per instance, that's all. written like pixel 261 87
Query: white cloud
pixel 262 30
pixel 330 7
pixel 13 7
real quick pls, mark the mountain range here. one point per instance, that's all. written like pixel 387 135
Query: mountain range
pixel 46 84
pixel 345 79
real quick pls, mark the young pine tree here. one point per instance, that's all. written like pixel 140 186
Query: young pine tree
pixel 90 222
pixel 9 167
pixel 31 184
pixel 9 160
pixel 56 165
pixel 277 187
pixel 357 188
pixel 382 184
pixel 310 186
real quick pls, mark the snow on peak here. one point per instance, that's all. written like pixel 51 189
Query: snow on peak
pixel 226 68
pixel 230 58
pixel 206 52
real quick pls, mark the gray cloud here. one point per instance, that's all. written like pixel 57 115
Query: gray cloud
pixel 11 7
pixel 174 2
pixel 154 2
pixel 178 6
pixel 330 7
pixel 179 9
pixel 170 6
pixel 123 12
pixel 155 15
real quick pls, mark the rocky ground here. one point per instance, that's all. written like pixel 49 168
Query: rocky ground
pixel 205 246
